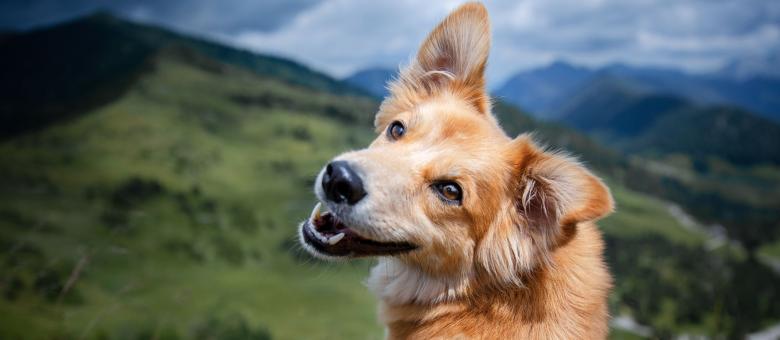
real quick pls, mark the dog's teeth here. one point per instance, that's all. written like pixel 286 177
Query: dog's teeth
pixel 315 213
pixel 335 238
pixel 320 237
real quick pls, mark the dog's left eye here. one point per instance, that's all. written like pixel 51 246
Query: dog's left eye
pixel 450 192
pixel 396 130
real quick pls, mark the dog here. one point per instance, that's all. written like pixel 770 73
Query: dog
pixel 477 235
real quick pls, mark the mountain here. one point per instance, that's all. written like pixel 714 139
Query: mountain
pixel 753 66
pixel 168 210
pixel 374 80
pixel 639 121
pixel 48 76
pixel 598 103
pixel 757 93
pixel 545 90
pixel 724 132
pixel 540 90
pixel 5 35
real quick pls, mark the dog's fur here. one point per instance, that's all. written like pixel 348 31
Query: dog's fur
pixel 521 257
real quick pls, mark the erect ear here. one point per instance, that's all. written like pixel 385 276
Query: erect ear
pixel 552 193
pixel 453 57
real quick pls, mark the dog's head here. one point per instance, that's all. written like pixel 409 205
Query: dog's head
pixel 442 188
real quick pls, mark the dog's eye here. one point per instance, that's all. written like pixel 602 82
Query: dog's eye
pixel 396 130
pixel 450 192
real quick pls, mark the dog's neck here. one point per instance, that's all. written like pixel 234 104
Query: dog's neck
pixel 552 295
pixel 397 283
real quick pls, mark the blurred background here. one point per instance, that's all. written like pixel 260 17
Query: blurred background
pixel 156 156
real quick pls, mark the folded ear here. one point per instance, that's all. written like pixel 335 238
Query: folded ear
pixel 555 191
pixel 453 57
pixel 552 193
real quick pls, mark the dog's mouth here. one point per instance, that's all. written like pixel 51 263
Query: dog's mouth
pixel 329 236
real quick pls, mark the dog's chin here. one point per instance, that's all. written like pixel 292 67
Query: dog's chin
pixel 325 236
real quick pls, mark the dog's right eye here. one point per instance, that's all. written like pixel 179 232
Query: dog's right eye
pixel 396 130
pixel 450 192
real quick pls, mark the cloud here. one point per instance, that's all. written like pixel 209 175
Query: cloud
pixel 341 36
pixel 223 16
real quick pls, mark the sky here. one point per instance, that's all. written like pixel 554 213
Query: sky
pixel 342 36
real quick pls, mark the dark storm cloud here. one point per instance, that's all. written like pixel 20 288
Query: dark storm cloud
pixel 205 16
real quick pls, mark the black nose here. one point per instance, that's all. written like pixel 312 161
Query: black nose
pixel 342 184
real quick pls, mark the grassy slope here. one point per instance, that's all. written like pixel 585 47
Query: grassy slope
pixel 182 197
pixel 163 268
pixel 639 215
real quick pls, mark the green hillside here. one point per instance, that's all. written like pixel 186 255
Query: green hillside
pixel 181 198
pixel 54 73
pixel 169 212
pixel 725 132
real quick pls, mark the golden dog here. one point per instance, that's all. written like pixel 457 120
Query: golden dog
pixel 478 235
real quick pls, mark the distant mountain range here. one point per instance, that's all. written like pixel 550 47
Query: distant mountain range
pixel 546 91
pixel 635 120
pixel 374 80
pixel 48 76
pixel 748 67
